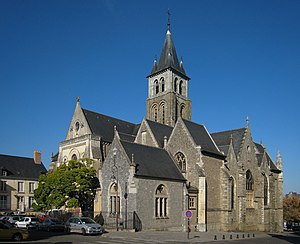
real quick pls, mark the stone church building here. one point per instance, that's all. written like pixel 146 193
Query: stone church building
pixel 167 164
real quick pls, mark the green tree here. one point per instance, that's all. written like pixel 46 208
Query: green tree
pixel 72 185
pixel 291 208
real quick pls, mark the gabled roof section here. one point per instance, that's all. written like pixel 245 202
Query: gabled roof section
pixel 21 167
pixel 224 138
pixel 168 58
pixel 261 151
pixel 103 125
pixel 160 131
pixel 201 137
pixel 152 162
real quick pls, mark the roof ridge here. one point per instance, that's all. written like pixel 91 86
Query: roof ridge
pixel 139 144
pixel 108 116
pixel 242 128
pixel 15 156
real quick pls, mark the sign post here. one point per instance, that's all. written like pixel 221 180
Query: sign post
pixel 188 215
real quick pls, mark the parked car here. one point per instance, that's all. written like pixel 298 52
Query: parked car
pixel 14 218
pixel 27 222
pixel 8 232
pixel 83 225
pixel 50 224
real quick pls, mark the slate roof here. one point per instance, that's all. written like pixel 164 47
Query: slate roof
pixel 223 139
pixel 153 162
pixel 21 167
pixel 201 137
pixel 160 131
pixel 168 57
pixel 259 155
pixel 103 125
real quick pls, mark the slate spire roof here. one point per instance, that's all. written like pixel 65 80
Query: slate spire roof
pixel 168 57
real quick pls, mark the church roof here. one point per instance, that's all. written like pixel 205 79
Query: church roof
pixel 152 162
pixel 224 138
pixel 160 131
pixel 103 125
pixel 259 155
pixel 201 137
pixel 168 57
pixel 21 167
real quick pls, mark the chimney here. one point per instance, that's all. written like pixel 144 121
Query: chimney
pixel 37 157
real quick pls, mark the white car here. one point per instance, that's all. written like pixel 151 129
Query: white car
pixel 83 225
pixel 27 222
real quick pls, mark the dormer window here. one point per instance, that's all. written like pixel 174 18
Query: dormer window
pixel 4 172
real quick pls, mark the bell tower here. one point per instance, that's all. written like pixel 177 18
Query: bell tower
pixel 168 87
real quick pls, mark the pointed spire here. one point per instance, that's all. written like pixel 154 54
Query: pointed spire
pixel 279 161
pixel 78 99
pixel 168 57
pixel 154 68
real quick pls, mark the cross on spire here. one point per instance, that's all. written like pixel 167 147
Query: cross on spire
pixel 169 14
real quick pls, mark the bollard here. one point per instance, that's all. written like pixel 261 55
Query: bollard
pixel 223 237
pixel 215 238
pixel 237 236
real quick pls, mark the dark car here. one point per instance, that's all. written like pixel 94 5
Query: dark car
pixel 8 232
pixel 50 224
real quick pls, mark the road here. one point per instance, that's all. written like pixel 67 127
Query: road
pixel 66 238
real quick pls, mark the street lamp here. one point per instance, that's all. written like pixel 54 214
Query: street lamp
pixel 115 178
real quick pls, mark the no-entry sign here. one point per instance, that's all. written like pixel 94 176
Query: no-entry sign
pixel 188 214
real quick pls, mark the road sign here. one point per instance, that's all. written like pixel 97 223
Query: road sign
pixel 188 214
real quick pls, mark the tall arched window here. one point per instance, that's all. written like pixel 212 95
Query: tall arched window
pixel 156 87
pixel 161 202
pixel 181 87
pixel 249 189
pixel 180 158
pixel 154 112
pixel 266 190
pixel 182 108
pixel 162 113
pixel 175 84
pixel 231 193
pixel 114 200
pixel 162 84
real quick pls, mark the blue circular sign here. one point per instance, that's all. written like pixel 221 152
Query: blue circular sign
pixel 188 214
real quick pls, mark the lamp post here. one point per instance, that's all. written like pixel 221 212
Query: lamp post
pixel 115 178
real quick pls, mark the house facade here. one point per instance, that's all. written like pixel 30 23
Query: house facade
pixel 19 178
pixel 167 164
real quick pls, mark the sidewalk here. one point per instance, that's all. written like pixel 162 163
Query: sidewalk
pixel 169 236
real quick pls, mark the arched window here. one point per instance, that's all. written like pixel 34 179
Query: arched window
pixel 74 157
pixel 249 189
pixel 156 87
pixel 162 113
pixel 182 108
pixel 249 180
pixel 161 202
pixel 266 190
pixel 175 84
pixel 114 200
pixel 181 87
pixel 180 158
pixel 154 112
pixel 231 193
pixel 162 84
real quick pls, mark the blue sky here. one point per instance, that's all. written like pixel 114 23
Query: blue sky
pixel 243 58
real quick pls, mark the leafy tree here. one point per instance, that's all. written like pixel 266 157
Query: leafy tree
pixel 291 208
pixel 72 185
